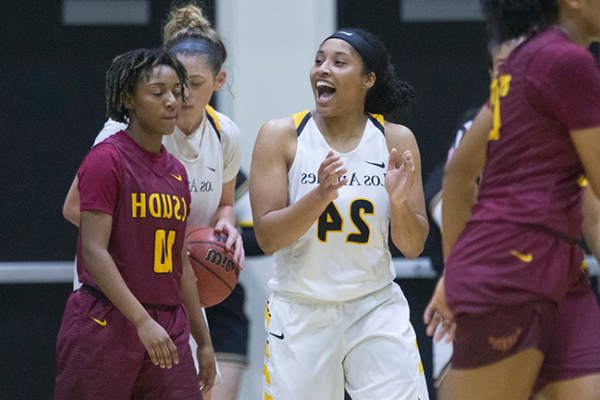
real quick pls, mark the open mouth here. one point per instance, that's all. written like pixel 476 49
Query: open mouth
pixel 325 91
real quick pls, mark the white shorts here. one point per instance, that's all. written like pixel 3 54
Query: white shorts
pixel 367 346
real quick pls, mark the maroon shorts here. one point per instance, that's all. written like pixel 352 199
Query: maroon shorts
pixel 568 335
pixel 100 356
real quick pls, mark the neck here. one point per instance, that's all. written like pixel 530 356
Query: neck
pixel 577 32
pixel 149 141
pixel 341 131
pixel 190 125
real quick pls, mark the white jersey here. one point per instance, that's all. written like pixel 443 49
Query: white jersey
pixel 345 254
pixel 211 157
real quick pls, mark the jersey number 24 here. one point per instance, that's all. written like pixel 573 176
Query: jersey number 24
pixel 332 221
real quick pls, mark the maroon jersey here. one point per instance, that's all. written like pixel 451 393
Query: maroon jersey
pixel 508 254
pixel 148 198
pixel 546 88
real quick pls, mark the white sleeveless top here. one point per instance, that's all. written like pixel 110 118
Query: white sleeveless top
pixel 211 157
pixel 345 254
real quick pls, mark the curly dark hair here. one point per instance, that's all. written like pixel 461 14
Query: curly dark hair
pixel 389 95
pixel 510 19
pixel 128 69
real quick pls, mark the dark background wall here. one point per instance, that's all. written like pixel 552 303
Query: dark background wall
pixel 446 63
pixel 52 80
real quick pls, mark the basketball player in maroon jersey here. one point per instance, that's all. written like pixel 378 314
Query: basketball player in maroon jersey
pixel 514 277
pixel 125 334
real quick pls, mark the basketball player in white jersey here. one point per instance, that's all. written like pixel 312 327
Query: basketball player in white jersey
pixel 327 186
pixel 206 142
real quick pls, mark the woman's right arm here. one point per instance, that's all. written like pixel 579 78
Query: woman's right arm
pixel 460 186
pixel 71 206
pixel 459 195
pixel 591 221
pixel 96 227
pixel 277 224
pixel 587 144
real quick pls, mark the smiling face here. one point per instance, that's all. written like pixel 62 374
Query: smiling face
pixel 156 101
pixel 337 79
pixel 202 83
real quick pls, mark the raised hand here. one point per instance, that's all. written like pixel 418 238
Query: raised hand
pixel 399 181
pixel 330 173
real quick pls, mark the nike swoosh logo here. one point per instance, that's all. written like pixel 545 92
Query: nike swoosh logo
pixel 212 169
pixel 102 323
pixel 178 177
pixel 280 337
pixel 380 165
pixel 523 257
pixel 346 33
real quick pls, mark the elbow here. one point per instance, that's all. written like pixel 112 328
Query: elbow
pixel 70 215
pixel 263 242
pixel 265 247
pixel 413 249
pixel 413 253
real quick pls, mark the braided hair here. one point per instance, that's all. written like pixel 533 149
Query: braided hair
pixel 128 69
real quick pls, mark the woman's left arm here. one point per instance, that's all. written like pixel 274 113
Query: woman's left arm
pixel 224 223
pixel 403 182
pixel 198 325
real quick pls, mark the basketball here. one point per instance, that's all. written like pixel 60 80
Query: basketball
pixel 216 272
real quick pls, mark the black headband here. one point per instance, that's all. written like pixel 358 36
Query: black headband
pixel 362 47
pixel 199 45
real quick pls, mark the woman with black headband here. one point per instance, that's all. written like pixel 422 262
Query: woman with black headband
pixel 207 143
pixel 326 187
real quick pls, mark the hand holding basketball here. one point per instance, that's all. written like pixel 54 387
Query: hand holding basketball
pixel 214 266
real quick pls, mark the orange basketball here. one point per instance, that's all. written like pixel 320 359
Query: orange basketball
pixel 216 272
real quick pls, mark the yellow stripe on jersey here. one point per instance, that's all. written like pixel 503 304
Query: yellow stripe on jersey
pixel 298 117
pixel 379 119
pixel 267 315
pixel 420 362
pixel 582 181
pixel 213 115
pixel 267 375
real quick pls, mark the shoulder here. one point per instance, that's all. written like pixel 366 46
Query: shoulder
pixel 560 56
pixel 103 158
pixel 280 128
pixel 230 136
pixel 227 127
pixel 399 136
pixel 278 136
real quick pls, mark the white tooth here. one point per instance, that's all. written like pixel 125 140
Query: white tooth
pixel 321 83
